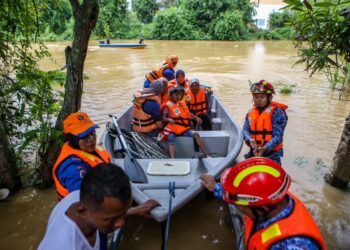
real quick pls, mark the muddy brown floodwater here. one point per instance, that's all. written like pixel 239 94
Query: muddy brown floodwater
pixel 316 119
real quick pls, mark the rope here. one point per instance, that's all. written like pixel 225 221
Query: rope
pixel 171 196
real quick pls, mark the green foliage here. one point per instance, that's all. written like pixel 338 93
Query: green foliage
pixel 323 38
pixel 145 9
pixel 229 26
pixel 112 21
pixel 28 103
pixel 58 20
pixel 285 33
pixel 203 12
pixel 172 25
pixel 199 20
pixel 280 19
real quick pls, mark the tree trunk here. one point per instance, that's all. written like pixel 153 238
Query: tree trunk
pixel 85 16
pixel 340 170
pixel 9 176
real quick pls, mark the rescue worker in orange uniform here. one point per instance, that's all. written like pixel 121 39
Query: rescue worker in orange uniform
pixel 78 156
pixel 180 80
pixel 274 218
pixel 265 123
pixel 147 116
pixel 197 103
pixel 165 70
pixel 179 121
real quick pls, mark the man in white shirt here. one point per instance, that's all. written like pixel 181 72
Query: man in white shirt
pixel 101 205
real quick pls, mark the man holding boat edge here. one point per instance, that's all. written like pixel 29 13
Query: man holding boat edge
pixel 265 123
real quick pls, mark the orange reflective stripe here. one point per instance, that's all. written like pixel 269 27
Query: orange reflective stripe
pixel 143 122
pixel 197 103
pixel 298 224
pixel 90 159
pixel 261 124
pixel 181 115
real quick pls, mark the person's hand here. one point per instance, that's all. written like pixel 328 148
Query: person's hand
pixel 254 146
pixel 261 151
pixel 199 120
pixel 208 182
pixel 171 121
pixel 144 209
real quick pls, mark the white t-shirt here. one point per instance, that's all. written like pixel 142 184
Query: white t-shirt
pixel 62 233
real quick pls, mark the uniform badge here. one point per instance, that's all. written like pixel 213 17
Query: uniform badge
pixel 177 111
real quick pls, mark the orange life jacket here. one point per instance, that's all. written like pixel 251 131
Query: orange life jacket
pixel 261 124
pixel 298 224
pixel 197 103
pixel 181 115
pixel 91 159
pixel 164 98
pixel 158 72
pixel 142 122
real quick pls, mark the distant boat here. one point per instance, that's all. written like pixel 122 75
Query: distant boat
pixel 123 45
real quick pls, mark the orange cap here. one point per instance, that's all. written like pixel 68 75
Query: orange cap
pixel 78 124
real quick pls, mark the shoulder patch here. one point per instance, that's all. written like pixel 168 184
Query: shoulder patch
pixel 177 111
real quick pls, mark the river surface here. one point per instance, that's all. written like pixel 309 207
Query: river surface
pixel 316 119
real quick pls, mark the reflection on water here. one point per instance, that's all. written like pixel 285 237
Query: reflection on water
pixel 316 118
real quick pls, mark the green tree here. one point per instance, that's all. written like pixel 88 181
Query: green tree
pixel 229 26
pixel 323 32
pixel 113 20
pixel 145 9
pixel 57 15
pixel 171 24
pixel 202 12
pixel 27 100
pixel 280 19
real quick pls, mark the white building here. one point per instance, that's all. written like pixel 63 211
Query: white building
pixel 263 9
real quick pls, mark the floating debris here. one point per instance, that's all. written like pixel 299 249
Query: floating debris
pixel 204 236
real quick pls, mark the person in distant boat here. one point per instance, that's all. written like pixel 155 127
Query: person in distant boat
pixel 179 121
pixel 79 155
pixel 99 208
pixel 265 123
pixel 180 80
pixel 108 41
pixel 197 102
pixel 147 116
pixel 142 40
pixel 274 218
pixel 166 70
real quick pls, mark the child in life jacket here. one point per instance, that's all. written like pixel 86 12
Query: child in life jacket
pixel 179 121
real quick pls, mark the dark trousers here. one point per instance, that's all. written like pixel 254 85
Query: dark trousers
pixel 206 123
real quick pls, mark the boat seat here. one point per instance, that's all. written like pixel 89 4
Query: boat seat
pixel 216 123
pixel 213 112
pixel 215 141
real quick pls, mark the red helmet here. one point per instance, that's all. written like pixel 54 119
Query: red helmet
pixel 172 60
pixel 262 87
pixel 256 181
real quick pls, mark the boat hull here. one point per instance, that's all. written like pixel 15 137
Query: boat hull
pixel 226 141
pixel 123 45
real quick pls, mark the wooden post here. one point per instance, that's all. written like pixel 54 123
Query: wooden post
pixel 339 175
pixel 85 16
